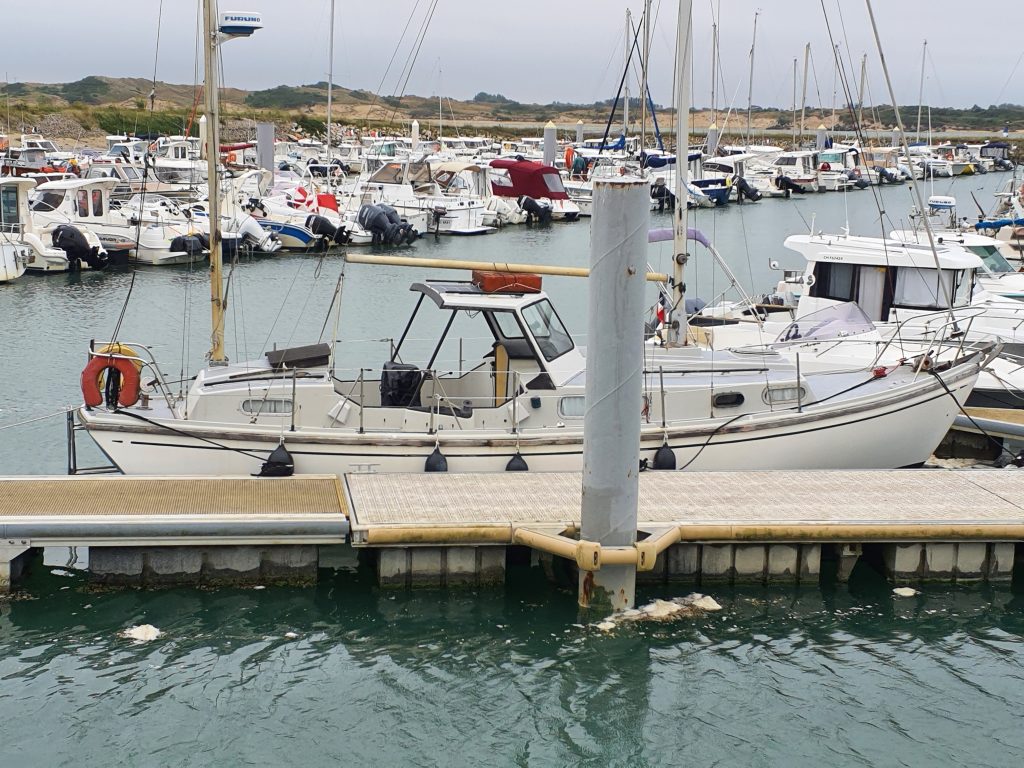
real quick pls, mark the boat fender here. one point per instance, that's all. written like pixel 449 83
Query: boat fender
pixel 517 464
pixel 122 389
pixel 278 464
pixel 436 462
pixel 664 457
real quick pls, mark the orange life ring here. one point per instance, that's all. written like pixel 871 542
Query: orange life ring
pixel 94 372
pixel 232 158
pixel 569 154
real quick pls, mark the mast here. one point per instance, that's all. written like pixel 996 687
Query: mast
pixel 920 91
pixel 803 98
pixel 677 334
pixel 643 76
pixel 212 109
pixel 330 81
pixel 629 48
pixel 793 121
pixel 714 71
pixel 860 94
pixel 750 80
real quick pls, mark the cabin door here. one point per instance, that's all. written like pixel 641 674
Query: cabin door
pixel 871 291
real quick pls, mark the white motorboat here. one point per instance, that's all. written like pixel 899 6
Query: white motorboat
pixel 39 246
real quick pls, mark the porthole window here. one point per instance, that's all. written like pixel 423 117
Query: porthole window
pixel 778 395
pixel 728 400
pixel 572 407
pixel 271 406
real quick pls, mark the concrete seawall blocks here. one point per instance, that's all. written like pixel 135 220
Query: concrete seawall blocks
pixel 215 565
pixel 737 563
pixel 949 561
pixel 440 566
pixel 13 558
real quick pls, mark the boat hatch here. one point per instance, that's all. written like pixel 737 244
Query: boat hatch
pixel 308 356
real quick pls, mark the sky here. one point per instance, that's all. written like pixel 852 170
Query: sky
pixel 537 50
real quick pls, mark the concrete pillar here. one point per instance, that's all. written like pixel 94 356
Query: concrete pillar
pixel 13 558
pixel 821 137
pixel 611 427
pixel 415 134
pixel 713 137
pixel 896 137
pixel 847 556
pixel 550 143
pixel 264 146
pixel 202 137
pixel 579 131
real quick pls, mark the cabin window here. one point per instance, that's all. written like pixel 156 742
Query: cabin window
pixel 8 209
pixel 546 327
pixel 992 258
pixel 82 203
pixel 924 288
pixel 572 407
pixel 780 395
pixel 553 182
pixel 835 281
pixel 270 406
pixel 508 325
pixel 129 172
pixel 728 400
pixel 49 200
pixel 97 202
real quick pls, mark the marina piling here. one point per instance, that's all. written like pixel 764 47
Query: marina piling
pixel 611 443
pixel 265 145
pixel 579 132
pixel 550 143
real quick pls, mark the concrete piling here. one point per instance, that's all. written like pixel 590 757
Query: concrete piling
pixel 579 132
pixel 264 146
pixel 713 137
pixel 821 137
pixel 550 143
pixel 611 444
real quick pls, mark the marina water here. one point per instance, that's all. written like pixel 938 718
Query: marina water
pixel 347 672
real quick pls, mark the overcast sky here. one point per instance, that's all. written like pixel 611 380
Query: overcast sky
pixel 535 50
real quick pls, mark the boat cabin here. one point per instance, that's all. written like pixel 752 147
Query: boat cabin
pixel 81 200
pixel 883 276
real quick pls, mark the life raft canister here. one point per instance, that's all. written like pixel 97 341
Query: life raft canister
pixel 101 363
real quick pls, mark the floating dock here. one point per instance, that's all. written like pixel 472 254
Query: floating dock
pixel 448 529
pixel 708 526
pixel 151 530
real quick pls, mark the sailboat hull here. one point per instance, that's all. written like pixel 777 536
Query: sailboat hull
pixel 898 431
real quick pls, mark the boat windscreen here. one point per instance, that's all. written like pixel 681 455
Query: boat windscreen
pixel 835 321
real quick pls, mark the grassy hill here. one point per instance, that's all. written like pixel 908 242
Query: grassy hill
pixel 88 108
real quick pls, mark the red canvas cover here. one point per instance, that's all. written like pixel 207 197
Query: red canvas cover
pixel 529 178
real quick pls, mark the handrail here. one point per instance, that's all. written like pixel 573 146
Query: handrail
pixel 151 364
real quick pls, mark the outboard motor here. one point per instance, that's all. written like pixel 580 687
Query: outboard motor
pixel 664 196
pixel 375 220
pixel 787 185
pixel 193 245
pixel 250 230
pixel 744 189
pixel 885 176
pixel 409 233
pixel 858 181
pixel 321 225
pixel 534 210
pixel 77 249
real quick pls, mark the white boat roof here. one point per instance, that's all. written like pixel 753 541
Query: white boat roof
pixel 878 252
pixel 458 294
pixel 77 183
pixel 17 181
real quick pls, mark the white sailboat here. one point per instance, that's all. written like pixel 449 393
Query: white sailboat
pixel 519 405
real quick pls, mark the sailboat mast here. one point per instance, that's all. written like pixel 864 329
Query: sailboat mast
pixel 750 80
pixel 803 97
pixel 682 78
pixel 330 81
pixel 212 108
pixel 643 75
pixel 628 51
pixel 793 121
pixel 860 94
pixel 920 90
pixel 714 72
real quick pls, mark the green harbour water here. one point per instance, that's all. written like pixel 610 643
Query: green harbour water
pixel 346 673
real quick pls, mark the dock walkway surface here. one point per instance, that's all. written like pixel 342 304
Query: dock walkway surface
pixel 168 511
pixel 882 505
